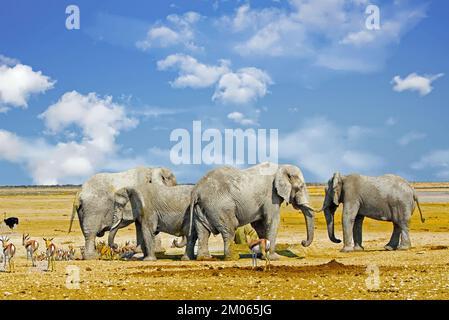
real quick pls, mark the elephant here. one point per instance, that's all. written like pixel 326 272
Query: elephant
pixel 227 198
pixel 94 203
pixel 156 209
pixel 387 198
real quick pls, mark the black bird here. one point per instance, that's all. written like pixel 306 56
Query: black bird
pixel 11 222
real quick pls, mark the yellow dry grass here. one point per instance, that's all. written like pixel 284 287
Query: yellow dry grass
pixel 302 273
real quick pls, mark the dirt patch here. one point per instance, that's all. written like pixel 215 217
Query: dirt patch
pixel 439 247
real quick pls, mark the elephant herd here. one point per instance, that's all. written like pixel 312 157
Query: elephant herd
pixel 227 198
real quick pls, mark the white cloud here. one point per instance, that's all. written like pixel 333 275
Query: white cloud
pixel 4 60
pixel 243 86
pixel 322 148
pixel 192 73
pixel 415 82
pixel 409 137
pixel 100 121
pixel 438 159
pixel 241 119
pixel 181 31
pixel 332 33
pixel 19 82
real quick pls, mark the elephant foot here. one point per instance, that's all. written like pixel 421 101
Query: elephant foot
pixel 404 247
pixel 185 258
pixel 90 256
pixel 347 249
pixel 204 258
pixel 389 247
pixel 149 258
pixel 358 248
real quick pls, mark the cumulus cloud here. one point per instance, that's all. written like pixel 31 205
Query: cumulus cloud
pixel 243 86
pixel 438 160
pixel 241 119
pixel 322 148
pixel 239 87
pixel 18 82
pixel 322 30
pixel 179 31
pixel 4 60
pixel 409 137
pixel 100 121
pixel 192 73
pixel 415 82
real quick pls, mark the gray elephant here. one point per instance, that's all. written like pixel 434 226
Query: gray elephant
pixel 156 209
pixel 94 204
pixel 226 198
pixel 387 198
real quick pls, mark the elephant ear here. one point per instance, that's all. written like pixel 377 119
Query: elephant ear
pixel 282 184
pixel 337 185
pixel 168 178
pixel 121 198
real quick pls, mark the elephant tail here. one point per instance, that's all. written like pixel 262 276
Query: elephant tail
pixel 415 197
pixel 75 208
pixel 193 200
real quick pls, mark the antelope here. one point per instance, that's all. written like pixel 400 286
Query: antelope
pixel 9 251
pixel 105 251
pixel 59 254
pixel 259 246
pixel 71 254
pixel 31 247
pixel 51 252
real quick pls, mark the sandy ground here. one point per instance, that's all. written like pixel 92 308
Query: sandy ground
pixel 317 272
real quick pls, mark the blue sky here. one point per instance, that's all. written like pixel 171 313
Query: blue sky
pixel 107 96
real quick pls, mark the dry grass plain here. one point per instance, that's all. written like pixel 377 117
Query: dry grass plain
pixel 317 272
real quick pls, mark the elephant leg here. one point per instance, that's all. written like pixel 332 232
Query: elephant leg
pixel 228 238
pixel 111 238
pixel 139 237
pixel 394 240
pixel 203 241
pixel 405 238
pixel 189 253
pixel 89 247
pixel 271 230
pixel 148 241
pixel 357 233
pixel 350 211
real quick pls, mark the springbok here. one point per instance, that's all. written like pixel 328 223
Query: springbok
pixel 71 252
pixel 9 250
pixel 31 247
pixel 260 246
pixel 51 252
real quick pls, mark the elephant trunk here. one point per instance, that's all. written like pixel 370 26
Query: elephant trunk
pixel 181 244
pixel 111 238
pixel 117 217
pixel 330 225
pixel 310 224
